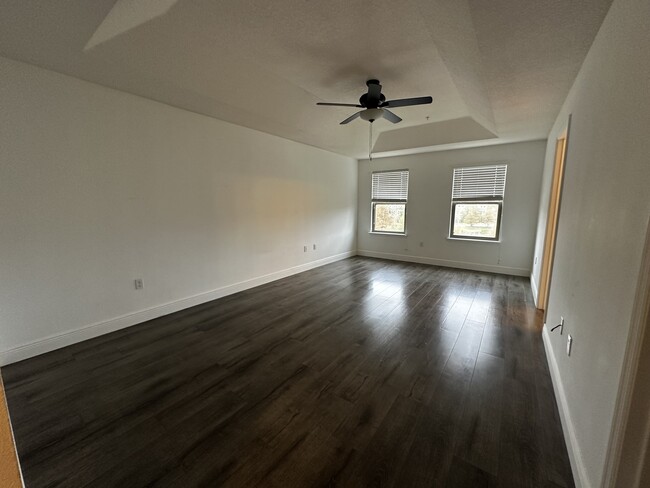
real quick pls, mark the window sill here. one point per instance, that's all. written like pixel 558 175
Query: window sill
pixel 472 240
pixel 387 234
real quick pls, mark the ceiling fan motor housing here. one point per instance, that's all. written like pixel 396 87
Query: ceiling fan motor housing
pixel 374 97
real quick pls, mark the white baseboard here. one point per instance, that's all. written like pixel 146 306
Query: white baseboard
pixel 490 268
pixel 575 455
pixel 67 338
pixel 533 287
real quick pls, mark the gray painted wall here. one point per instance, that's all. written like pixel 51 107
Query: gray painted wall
pixel 429 204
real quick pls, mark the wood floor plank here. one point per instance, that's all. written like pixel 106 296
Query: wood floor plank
pixel 363 372
pixel 463 474
pixel 478 433
pixel 380 463
pixel 431 452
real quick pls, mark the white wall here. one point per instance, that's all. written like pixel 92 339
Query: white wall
pixel 603 215
pixel 99 187
pixel 430 178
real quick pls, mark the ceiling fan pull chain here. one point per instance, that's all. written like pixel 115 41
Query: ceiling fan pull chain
pixel 370 143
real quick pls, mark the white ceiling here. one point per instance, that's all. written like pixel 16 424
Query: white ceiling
pixel 502 67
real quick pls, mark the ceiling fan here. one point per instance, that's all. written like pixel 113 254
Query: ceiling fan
pixel 376 106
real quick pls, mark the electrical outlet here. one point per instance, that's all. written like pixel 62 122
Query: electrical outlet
pixel 314 246
pixel 139 285
pixel 304 249
pixel 569 343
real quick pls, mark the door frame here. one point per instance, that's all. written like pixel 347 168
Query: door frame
pixel 553 218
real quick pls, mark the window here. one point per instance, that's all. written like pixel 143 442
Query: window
pixel 477 201
pixel 389 196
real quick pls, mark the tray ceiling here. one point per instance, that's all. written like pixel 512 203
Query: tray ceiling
pixel 503 67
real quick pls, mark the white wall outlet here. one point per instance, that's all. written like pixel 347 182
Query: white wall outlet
pixel 569 343
pixel 314 246
pixel 304 249
pixel 139 285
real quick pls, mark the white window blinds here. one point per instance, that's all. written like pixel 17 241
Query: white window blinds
pixel 390 185
pixel 479 183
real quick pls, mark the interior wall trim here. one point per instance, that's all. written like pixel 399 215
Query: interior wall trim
pixel 631 361
pixel 11 474
pixel 533 287
pixel 575 454
pixel 489 268
pixel 90 331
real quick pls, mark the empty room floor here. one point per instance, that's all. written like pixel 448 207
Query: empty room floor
pixel 363 372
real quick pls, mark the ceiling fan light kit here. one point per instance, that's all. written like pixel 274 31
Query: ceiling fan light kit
pixel 372 114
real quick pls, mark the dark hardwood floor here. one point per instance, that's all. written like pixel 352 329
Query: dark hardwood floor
pixel 359 373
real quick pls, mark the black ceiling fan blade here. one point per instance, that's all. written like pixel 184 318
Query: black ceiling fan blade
pixel 340 104
pixel 350 118
pixel 391 117
pixel 405 102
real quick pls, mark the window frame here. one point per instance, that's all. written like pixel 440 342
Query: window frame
pixel 484 199
pixel 480 201
pixel 373 203
pixel 390 201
